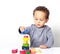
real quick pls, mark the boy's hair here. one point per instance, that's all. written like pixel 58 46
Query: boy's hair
pixel 42 8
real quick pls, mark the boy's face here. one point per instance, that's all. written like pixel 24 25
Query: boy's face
pixel 40 18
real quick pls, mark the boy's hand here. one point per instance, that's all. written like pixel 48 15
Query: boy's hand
pixel 43 46
pixel 22 28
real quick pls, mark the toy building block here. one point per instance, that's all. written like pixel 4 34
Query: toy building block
pixel 25 36
pixel 27 52
pixel 14 50
pixel 26 45
pixel 25 39
pixel 25 42
pixel 25 48
pixel 24 32
pixel 23 52
pixel 38 51
pixel 33 51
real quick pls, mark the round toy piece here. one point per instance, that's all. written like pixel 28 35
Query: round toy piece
pixel 33 51
pixel 24 32
pixel 14 50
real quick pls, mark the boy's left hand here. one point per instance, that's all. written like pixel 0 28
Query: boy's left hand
pixel 43 46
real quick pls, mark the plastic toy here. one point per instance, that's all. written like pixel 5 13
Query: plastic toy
pixel 25 46
pixel 22 52
pixel 34 51
pixel 24 32
pixel 14 50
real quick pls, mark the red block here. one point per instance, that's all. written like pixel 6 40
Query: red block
pixel 14 50
pixel 32 52
pixel 25 36
pixel 23 52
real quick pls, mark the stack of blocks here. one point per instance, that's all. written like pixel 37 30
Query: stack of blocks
pixel 25 46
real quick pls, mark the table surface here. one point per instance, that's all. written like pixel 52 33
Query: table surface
pixel 53 50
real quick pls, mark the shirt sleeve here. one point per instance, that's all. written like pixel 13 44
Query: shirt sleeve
pixel 19 30
pixel 50 38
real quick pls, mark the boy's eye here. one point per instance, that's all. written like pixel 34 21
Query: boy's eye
pixel 41 19
pixel 36 19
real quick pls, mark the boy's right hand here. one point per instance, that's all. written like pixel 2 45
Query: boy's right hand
pixel 22 28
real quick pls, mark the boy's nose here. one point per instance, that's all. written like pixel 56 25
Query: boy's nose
pixel 38 21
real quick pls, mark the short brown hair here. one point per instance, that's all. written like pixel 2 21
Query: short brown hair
pixel 42 8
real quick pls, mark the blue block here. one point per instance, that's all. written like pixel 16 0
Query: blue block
pixel 24 32
pixel 25 48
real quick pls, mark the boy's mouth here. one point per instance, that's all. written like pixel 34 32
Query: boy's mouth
pixel 38 24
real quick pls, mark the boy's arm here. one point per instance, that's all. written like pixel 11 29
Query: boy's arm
pixel 50 38
pixel 19 30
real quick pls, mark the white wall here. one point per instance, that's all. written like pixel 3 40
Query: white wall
pixel 14 13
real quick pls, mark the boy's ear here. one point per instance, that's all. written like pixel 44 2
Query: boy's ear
pixel 47 20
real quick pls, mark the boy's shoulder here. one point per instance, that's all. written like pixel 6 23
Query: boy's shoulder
pixel 32 25
pixel 47 27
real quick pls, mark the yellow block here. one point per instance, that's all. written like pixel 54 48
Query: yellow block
pixel 25 39
pixel 36 51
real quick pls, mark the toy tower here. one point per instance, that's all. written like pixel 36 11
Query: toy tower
pixel 25 46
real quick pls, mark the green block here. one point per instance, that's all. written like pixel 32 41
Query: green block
pixel 26 45
pixel 27 52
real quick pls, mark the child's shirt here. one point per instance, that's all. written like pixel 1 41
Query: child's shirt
pixel 40 36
